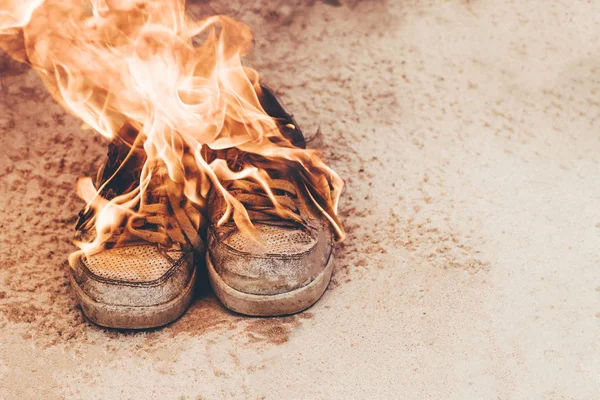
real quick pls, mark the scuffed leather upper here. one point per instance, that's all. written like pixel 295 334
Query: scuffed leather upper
pixel 285 257
pixel 109 286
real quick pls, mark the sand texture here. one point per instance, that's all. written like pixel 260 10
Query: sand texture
pixel 468 133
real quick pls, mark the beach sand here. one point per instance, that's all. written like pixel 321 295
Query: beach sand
pixel 468 134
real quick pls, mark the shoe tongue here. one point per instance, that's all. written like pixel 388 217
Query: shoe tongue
pixel 125 167
pixel 285 121
pixel 156 191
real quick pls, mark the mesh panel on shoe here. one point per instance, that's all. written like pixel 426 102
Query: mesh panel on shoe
pixel 131 263
pixel 275 240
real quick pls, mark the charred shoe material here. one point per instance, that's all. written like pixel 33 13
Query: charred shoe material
pixel 145 275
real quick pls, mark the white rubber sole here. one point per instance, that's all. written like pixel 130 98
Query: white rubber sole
pixel 269 305
pixel 126 317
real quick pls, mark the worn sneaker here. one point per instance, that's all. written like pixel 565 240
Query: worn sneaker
pixel 287 266
pixel 145 275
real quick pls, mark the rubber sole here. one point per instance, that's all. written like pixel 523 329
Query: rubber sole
pixel 269 305
pixel 131 317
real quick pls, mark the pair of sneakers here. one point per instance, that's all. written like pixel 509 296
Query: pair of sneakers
pixel 146 273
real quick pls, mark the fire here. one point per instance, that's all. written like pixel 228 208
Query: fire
pixel 177 81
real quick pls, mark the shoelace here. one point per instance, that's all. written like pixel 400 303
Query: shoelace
pixel 252 195
pixel 164 217
pixel 159 224
pixel 259 206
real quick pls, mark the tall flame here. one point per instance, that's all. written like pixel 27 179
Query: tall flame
pixel 176 80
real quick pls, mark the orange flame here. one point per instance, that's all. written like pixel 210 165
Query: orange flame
pixel 176 80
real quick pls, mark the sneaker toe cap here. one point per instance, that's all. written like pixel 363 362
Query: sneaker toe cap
pixel 279 261
pixel 134 275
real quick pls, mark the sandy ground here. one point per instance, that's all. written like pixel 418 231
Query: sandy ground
pixel 469 137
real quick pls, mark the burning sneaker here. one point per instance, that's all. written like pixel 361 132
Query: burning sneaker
pixel 284 264
pixel 143 277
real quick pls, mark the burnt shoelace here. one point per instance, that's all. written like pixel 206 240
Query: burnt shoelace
pixel 165 218
pixel 260 207
pixel 253 196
